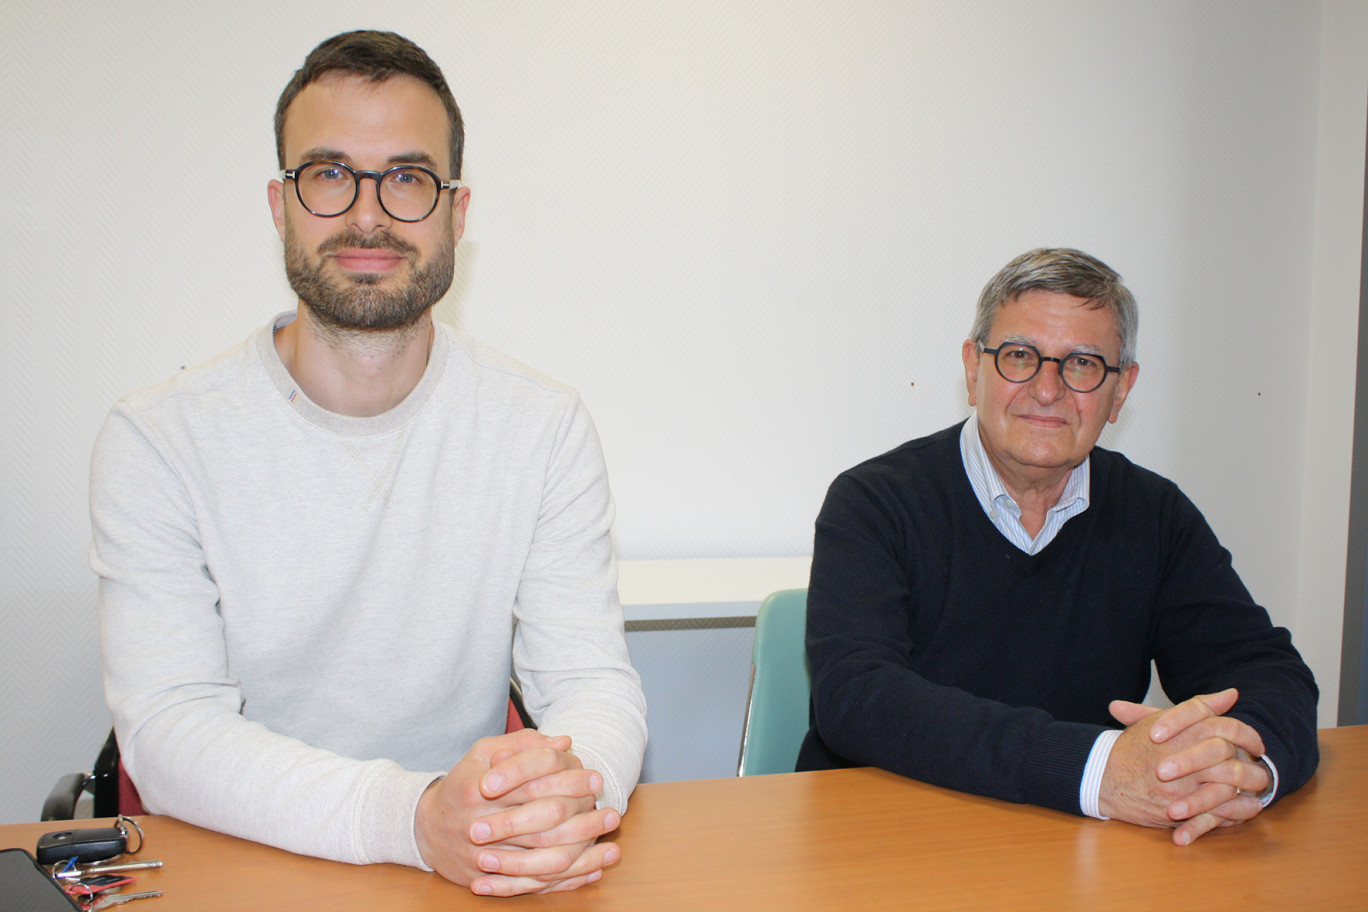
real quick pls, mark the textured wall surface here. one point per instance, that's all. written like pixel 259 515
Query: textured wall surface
pixel 751 233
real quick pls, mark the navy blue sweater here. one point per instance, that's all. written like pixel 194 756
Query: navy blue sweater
pixel 942 652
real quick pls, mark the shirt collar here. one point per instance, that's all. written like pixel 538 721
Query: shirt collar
pixel 988 486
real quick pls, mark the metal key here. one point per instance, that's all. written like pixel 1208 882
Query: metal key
pixel 118 899
pixel 109 868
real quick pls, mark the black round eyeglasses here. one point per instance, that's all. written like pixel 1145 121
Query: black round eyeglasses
pixel 1018 362
pixel 407 193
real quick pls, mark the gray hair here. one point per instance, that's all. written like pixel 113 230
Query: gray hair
pixel 1064 270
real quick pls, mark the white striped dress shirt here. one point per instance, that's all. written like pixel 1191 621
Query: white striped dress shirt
pixel 1003 510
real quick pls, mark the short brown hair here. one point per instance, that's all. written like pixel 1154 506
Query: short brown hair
pixel 376 56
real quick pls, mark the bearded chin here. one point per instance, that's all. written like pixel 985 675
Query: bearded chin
pixel 359 301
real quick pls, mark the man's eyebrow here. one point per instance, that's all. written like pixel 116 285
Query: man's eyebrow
pixel 321 153
pixel 414 157
pixel 1082 348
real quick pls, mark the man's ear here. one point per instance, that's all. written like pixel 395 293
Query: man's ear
pixel 969 352
pixel 275 197
pixel 460 200
pixel 1123 387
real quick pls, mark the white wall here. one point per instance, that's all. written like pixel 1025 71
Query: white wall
pixel 1338 227
pixel 750 232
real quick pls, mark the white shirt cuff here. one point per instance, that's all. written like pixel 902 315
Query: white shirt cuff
pixel 1267 795
pixel 1091 786
pixel 1090 789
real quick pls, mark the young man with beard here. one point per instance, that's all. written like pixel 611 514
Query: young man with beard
pixel 322 552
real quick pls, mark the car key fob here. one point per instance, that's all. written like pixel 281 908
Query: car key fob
pixel 83 845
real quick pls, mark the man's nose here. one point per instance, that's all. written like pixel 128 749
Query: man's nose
pixel 366 214
pixel 1048 383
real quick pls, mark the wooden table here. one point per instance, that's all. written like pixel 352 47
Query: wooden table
pixel 845 839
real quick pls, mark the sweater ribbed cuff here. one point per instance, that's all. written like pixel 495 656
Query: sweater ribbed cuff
pixel 383 829
pixel 1053 765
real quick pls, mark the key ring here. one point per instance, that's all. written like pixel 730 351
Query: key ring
pixel 68 868
pixel 122 823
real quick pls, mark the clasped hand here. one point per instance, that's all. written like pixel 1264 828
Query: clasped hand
pixel 1190 767
pixel 516 815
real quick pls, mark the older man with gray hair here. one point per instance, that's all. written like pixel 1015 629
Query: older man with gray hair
pixel 986 602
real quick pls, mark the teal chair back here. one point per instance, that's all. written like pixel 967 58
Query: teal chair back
pixel 777 711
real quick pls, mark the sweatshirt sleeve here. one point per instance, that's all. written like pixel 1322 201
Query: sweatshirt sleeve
pixel 569 649
pixel 176 706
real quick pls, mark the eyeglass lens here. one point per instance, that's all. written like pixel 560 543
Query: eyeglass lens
pixel 1080 371
pixel 407 193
